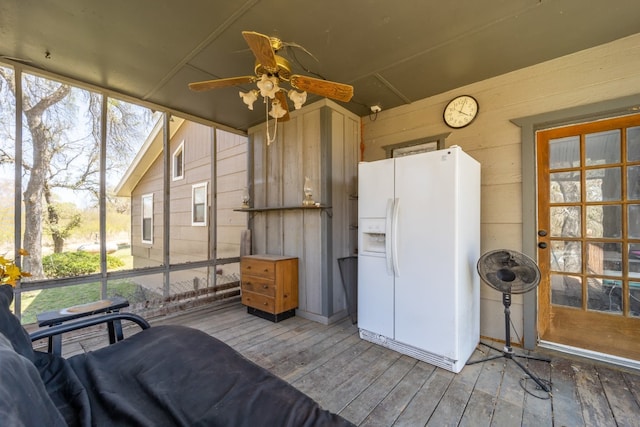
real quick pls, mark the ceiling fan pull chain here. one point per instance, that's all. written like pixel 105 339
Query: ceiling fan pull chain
pixel 275 130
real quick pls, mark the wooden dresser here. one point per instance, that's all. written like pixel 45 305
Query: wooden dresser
pixel 269 285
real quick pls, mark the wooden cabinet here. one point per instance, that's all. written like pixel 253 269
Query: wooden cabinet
pixel 269 285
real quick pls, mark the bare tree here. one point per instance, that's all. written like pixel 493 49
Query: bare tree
pixel 61 151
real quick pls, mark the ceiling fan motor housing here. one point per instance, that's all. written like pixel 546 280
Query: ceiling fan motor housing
pixel 282 71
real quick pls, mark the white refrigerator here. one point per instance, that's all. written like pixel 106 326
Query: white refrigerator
pixel 418 246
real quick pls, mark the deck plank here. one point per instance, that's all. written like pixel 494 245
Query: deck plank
pixel 567 410
pixel 481 405
pixel 451 407
pixel 374 386
pixel 595 407
pixel 633 383
pixel 622 402
pixel 399 398
pixel 537 402
pixel 510 400
pixel 360 408
pixel 352 386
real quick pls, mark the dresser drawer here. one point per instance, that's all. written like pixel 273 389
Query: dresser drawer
pixel 269 285
pixel 259 285
pixel 257 267
pixel 259 301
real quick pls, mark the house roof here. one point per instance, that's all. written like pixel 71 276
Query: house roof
pixel 393 53
pixel 151 149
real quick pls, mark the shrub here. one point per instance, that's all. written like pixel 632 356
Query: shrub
pixel 68 264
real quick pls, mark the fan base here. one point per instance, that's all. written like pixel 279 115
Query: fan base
pixel 507 352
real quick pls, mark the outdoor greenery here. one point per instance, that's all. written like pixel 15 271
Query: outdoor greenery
pixel 71 264
pixel 60 159
pixel 67 296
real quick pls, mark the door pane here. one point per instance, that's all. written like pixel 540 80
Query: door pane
pixel 602 148
pixel 604 221
pixel 566 256
pixel 605 295
pixel 633 144
pixel 633 182
pixel 564 152
pixel 565 221
pixel 634 260
pixel 566 290
pixel 604 259
pixel 603 185
pixel 634 299
pixel 633 222
pixel 564 187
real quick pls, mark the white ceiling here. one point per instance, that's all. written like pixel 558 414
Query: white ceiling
pixel 392 52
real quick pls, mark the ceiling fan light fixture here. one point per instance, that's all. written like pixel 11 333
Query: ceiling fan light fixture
pixel 298 98
pixel 277 111
pixel 249 98
pixel 268 86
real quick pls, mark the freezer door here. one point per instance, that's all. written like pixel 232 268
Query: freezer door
pixel 375 188
pixel 375 296
pixel 375 276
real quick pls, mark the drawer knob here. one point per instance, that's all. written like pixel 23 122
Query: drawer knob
pixel 248 267
pixel 266 270
pixel 265 286
pixel 266 303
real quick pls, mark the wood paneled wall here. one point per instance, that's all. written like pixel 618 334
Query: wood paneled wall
pixel 603 73
pixel 320 141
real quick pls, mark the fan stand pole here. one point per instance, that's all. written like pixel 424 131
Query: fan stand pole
pixel 507 351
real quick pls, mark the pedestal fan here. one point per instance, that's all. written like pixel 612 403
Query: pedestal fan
pixel 510 272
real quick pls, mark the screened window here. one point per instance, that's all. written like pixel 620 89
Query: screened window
pixel 199 204
pixel 178 162
pixel 147 218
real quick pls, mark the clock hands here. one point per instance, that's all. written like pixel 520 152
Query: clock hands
pixel 460 111
pixel 464 102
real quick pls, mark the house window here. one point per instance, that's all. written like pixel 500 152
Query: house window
pixel 199 204
pixel 178 162
pixel 147 218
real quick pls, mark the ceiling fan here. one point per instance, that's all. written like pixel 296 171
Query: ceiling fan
pixel 271 70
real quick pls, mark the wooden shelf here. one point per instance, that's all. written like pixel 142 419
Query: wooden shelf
pixel 281 208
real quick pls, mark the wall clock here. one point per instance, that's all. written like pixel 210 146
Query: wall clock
pixel 461 111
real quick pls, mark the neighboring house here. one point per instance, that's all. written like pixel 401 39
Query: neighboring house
pixel 192 166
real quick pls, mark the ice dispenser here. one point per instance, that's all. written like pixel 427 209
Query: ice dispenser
pixel 373 237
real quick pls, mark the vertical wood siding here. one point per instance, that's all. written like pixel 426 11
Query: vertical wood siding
pixel 316 237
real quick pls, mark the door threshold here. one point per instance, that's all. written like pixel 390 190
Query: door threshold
pixel 589 354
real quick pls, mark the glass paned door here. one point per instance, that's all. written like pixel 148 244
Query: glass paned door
pixel 589 235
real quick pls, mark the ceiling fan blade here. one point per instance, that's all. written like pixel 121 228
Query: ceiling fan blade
pixel 215 84
pixel 260 45
pixel 282 97
pixel 326 88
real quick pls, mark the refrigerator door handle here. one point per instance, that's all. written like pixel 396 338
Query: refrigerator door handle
pixel 387 236
pixel 394 237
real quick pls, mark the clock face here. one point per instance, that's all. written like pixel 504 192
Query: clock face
pixel 460 111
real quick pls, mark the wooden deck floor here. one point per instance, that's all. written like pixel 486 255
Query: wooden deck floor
pixel 373 386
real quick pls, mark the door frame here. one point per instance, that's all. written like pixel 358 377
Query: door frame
pixel 529 125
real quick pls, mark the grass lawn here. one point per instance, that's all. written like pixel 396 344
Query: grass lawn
pixel 58 298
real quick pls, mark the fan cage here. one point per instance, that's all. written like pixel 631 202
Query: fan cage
pixel 508 271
